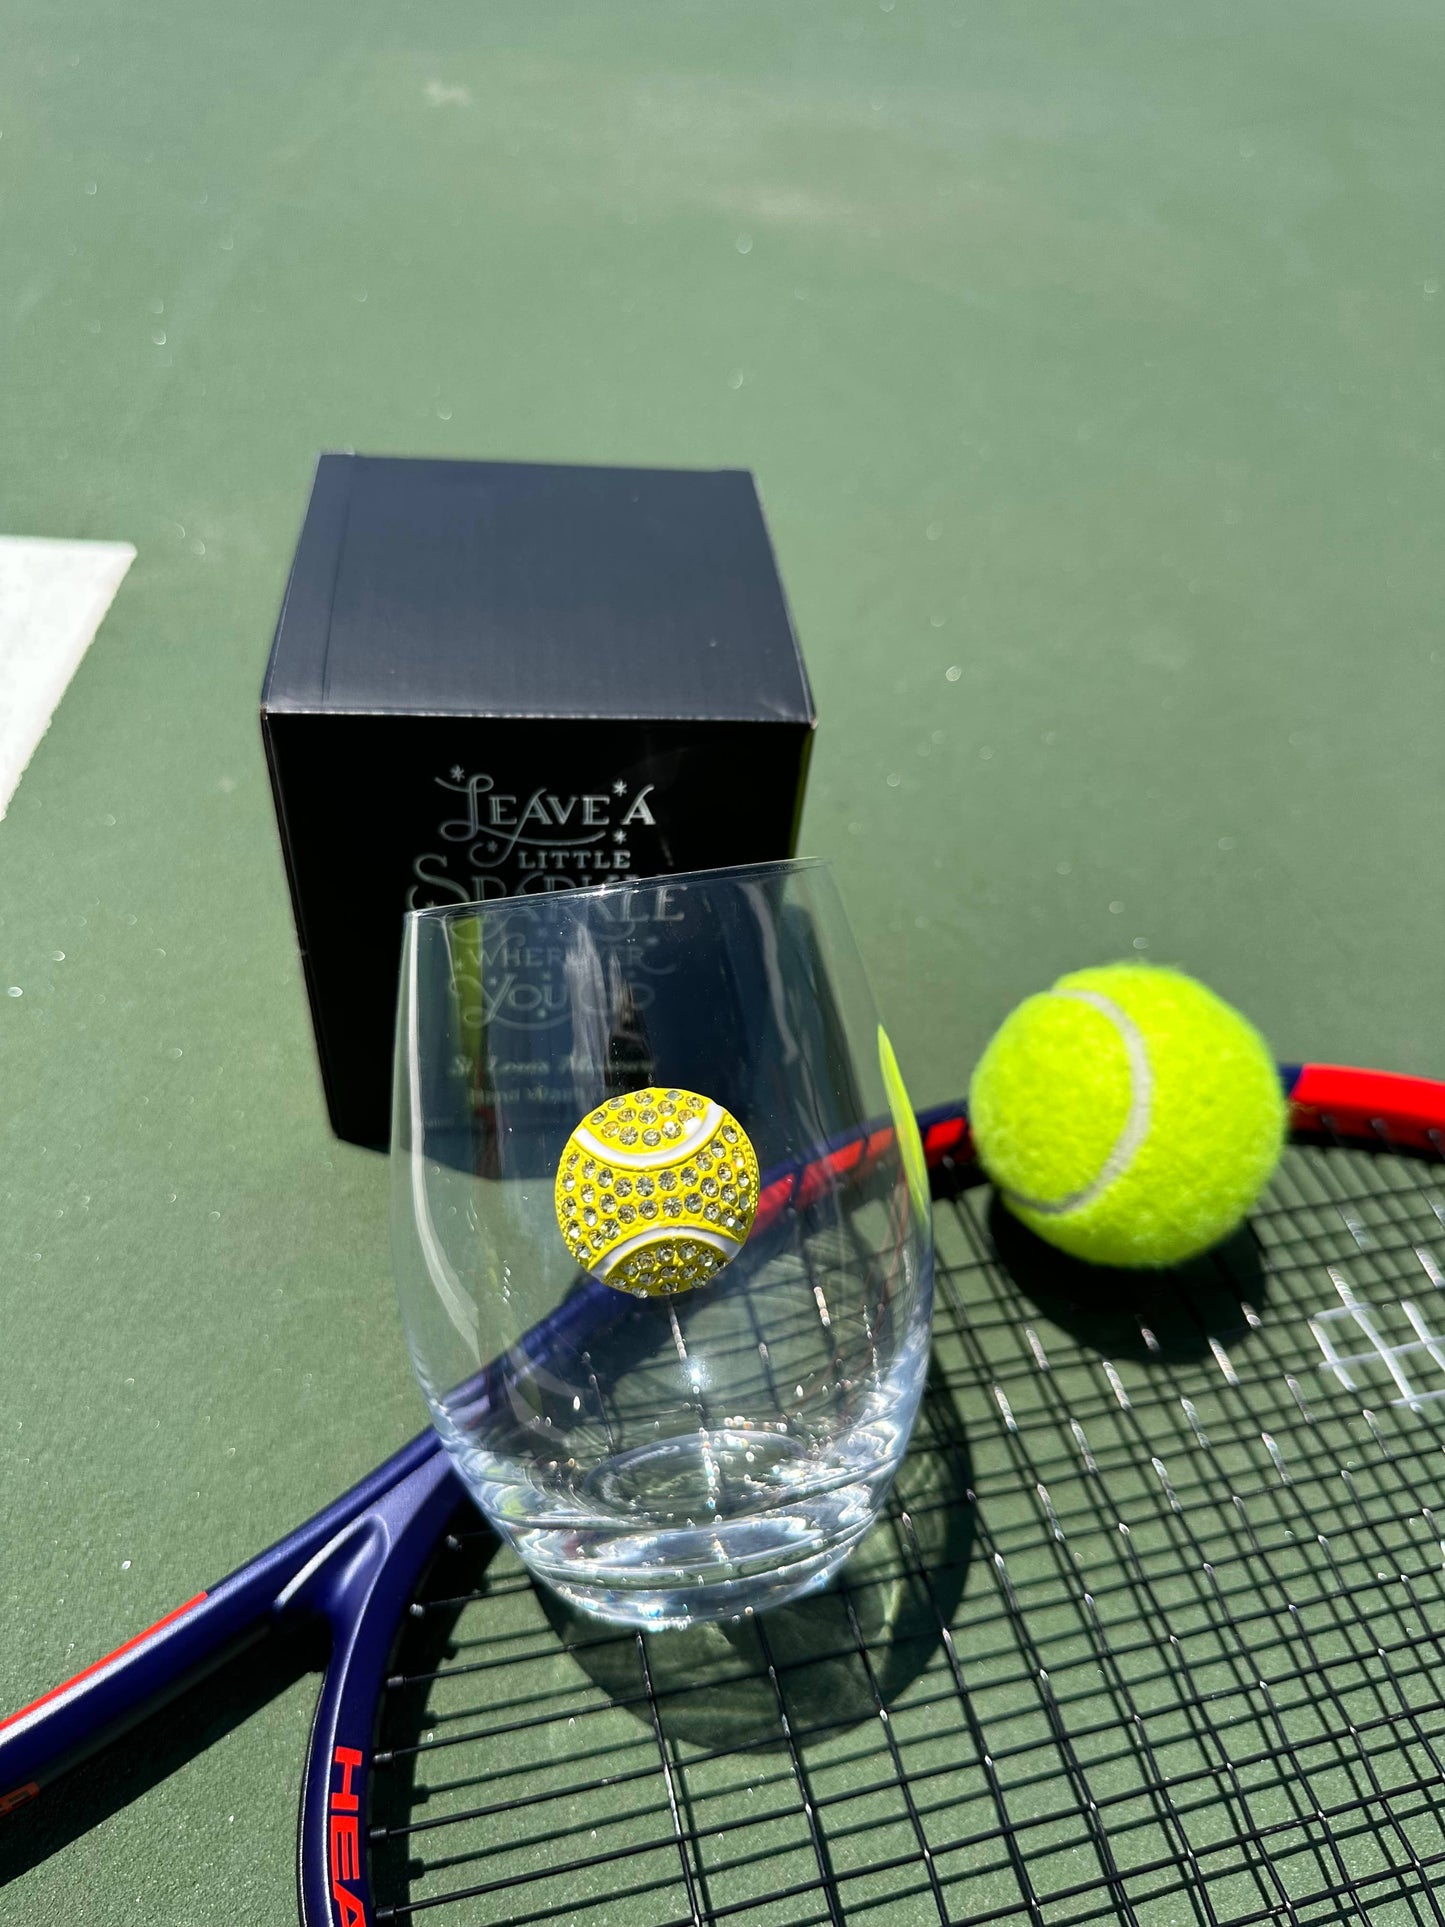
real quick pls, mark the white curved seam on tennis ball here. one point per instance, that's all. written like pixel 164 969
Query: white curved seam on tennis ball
pixel 671 1153
pixel 665 1234
pixel 1136 1124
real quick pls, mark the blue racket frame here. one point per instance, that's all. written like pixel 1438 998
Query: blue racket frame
pixel 352 1569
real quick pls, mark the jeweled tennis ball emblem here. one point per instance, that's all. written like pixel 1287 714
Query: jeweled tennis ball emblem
pixel 656 1191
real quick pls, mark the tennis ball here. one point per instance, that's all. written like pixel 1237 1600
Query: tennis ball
pixel 1128 1115
pixel 657 1191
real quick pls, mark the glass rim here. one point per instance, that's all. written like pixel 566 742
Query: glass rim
pixel 727 873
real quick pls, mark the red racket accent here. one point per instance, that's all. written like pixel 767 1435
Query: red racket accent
pixel 1333 1100
pixel 946 1136
pixel 950 1137
pixel 773 1198
pixel 818 1179
pixel 96 1666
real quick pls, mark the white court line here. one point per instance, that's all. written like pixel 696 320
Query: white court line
pixel 53 598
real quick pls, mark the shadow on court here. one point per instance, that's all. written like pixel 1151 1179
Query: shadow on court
pixel 828 1661
pixel 497 1655
pixel 821 1665
pixel 1163 1317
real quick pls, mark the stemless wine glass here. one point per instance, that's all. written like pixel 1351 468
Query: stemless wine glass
pixel 661 1233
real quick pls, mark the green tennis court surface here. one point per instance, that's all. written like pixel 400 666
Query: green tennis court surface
pixel 1089 362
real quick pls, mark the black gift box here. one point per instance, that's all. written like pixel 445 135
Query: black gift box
pixel 494 677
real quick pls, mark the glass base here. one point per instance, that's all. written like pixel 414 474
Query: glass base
pixel 732 1557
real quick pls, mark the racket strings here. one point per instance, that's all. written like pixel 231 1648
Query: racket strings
pixel 1343 1742
pixel 1195 1673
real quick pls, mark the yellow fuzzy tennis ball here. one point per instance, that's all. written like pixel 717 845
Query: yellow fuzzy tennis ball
pixel 657 1191
pixel 1128 1115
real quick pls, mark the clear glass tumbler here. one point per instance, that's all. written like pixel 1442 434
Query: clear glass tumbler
pixel 661 1233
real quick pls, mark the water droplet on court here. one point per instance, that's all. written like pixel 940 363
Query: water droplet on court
pixel 90 187
pixel 15 991
pixel 735 379
pixel 57 956
pixel 952 673
pixel 744 244
pixel 159 337
pixel 1115 908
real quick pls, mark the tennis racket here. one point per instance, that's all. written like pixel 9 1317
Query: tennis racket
pixel 1152 1629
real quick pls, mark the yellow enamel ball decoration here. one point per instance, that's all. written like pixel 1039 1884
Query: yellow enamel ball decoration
pixel 656 1191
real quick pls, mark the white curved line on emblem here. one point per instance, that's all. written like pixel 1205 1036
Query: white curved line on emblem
pixel 632 1158
pixel 664 1234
